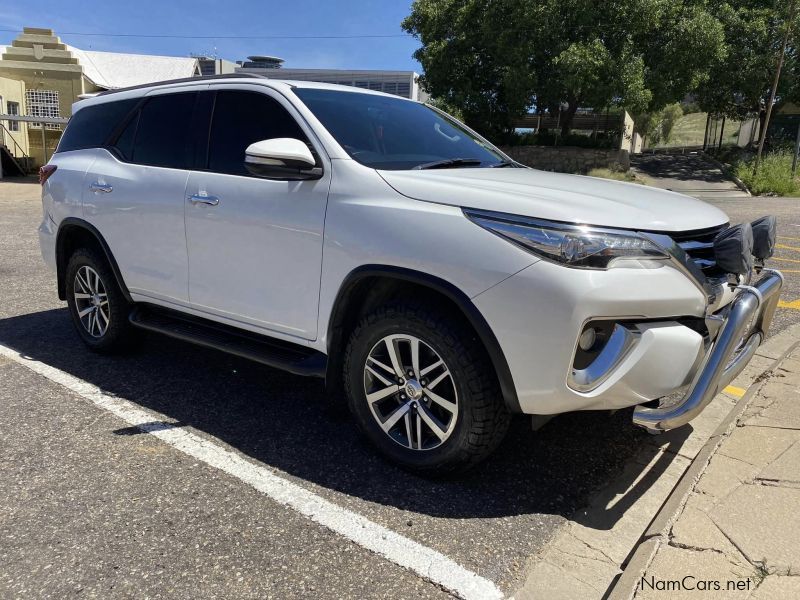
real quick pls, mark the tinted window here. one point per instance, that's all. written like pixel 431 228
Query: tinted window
pixel 162 135
pixel 90 127
pixel 384 132
pixel 124 143
pixel 241 118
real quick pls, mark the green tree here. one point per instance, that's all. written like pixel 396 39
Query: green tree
pixel 669 116
pixel 656 126
pixel 498 59
pixel 740 78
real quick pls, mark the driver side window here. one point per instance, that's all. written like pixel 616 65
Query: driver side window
pixel 241 118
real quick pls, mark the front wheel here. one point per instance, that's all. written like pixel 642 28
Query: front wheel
pixel 421 388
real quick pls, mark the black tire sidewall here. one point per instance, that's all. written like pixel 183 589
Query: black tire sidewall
pixel 445 341
pixel 117 334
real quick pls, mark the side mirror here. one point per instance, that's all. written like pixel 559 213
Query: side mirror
pixel 281 158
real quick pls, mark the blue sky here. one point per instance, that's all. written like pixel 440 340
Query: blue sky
pixel 230 18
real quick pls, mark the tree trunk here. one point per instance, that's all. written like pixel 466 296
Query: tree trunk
pixel 762 119
pixel 567 117
pixel 774 90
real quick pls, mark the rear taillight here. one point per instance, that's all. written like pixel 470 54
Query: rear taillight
pixel 45 172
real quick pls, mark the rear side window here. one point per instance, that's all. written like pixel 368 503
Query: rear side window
pixel 241 118
pixel 91 127
pixel 162 131
pixel 124 143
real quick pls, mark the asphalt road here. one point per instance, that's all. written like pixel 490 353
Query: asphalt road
pixel 92 506
pixel 787 254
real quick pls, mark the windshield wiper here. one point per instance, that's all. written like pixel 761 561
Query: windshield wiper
pixel 501 164
pixel 449 162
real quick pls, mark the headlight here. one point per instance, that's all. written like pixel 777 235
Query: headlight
pixel 571 245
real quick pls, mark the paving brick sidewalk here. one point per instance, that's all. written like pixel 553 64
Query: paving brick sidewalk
pixel 738 535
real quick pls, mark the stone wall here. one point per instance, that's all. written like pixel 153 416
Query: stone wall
pixel 569 159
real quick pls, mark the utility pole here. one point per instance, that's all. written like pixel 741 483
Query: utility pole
pixel 774 91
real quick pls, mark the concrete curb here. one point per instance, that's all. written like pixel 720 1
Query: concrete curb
pixel 727 170
pixel 624 588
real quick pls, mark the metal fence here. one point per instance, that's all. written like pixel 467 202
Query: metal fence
pixel 27 127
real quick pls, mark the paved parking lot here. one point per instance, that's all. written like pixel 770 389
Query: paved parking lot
pixel 91 505
pixel 787 253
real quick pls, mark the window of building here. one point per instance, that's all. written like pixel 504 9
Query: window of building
pixel 162 135
pixel 240 119
pixel 43 103
pixel 12 108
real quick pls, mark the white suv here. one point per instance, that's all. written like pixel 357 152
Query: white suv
pixel 382 245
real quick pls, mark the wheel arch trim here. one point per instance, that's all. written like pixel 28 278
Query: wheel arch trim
pixel 71 223
pixel 447 289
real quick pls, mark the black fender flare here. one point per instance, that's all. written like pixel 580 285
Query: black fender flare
pixel 68 224
pixel 458 297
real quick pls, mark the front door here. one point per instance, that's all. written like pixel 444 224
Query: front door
pixel 255 245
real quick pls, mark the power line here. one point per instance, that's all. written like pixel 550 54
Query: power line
pixel 226 37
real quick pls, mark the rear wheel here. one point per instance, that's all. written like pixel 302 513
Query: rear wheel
pixel 98 308
pixel 420 387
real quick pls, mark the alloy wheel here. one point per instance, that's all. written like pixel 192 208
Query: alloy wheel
pixel 411 392
pixel 91 302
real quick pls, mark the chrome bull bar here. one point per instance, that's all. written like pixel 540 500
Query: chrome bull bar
pixel 745 327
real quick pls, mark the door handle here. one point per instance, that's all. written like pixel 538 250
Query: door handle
pixel 100 187
pixel 203 199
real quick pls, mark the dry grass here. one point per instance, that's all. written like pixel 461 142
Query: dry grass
pixel 615 175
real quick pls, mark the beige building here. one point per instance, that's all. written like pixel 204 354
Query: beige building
pixel 40 76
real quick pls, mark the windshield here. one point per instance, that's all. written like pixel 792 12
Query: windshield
pixel 390 133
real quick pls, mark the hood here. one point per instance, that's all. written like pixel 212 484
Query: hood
pixel 558 197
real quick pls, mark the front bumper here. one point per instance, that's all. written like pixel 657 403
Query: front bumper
pixel 538 314
pixel 744 328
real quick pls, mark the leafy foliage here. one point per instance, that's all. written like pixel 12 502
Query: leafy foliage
pixel 498 59
pixel 774 175
pixel 741 76
pixel 657 126
pixel 670 116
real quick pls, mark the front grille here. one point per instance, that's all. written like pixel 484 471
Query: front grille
pixel 699 246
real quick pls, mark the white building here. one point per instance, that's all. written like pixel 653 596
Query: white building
pixel 399 83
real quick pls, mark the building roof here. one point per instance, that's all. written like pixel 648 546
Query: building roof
pixel 112 70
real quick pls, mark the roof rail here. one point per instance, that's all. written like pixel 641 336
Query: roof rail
pixel 185 80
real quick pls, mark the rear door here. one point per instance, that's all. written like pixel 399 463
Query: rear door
pixel 135 195
pixel 255 245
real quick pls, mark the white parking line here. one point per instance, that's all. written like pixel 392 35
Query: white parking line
pixel 425 562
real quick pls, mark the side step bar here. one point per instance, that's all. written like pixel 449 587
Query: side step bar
pixel 268 351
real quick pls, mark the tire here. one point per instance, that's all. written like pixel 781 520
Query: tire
pixel 96 304
pixel 468 418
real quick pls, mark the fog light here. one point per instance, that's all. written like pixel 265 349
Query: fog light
pixel 587 339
